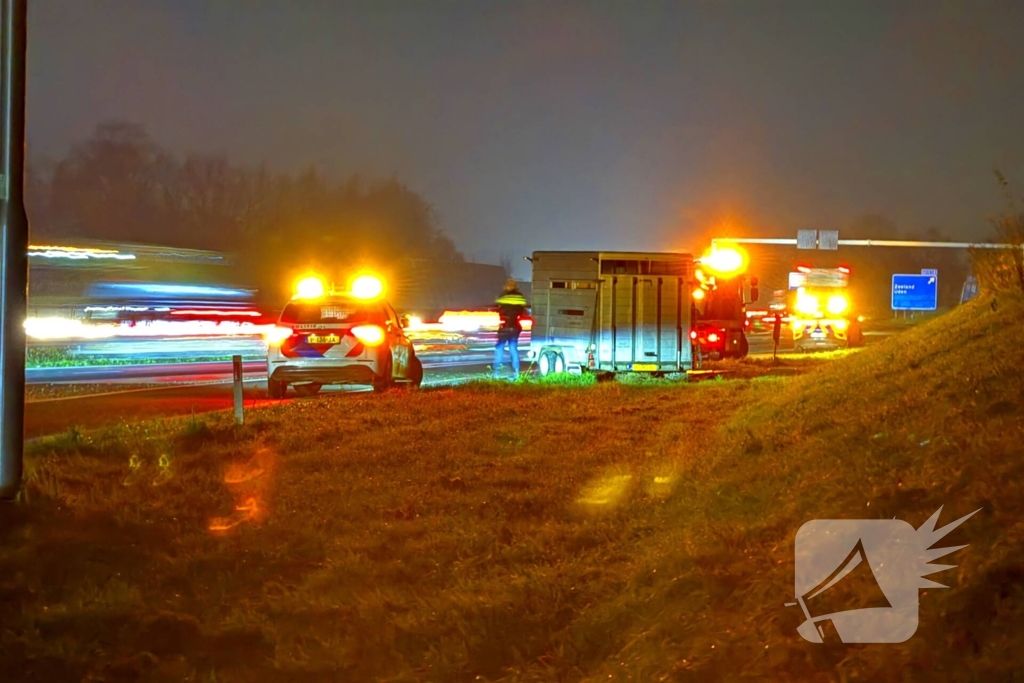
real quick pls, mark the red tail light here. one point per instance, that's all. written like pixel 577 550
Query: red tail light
pixel 844 269
pixel 590 360
pixel 693 334
pixel 712 337
pixel 371 335
pixel 276 335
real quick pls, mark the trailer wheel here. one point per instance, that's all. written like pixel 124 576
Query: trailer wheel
pixel 276 389
pixel 550 363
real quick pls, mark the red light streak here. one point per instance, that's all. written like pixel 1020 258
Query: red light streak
pixel 251 314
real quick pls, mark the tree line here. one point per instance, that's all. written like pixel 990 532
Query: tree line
pixel 122 186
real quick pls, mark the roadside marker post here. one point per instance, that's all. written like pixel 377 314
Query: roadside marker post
pixel 776 335
pixel 236 367
pixel 13 244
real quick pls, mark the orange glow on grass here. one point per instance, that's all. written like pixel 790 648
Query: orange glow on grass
pixel 250 483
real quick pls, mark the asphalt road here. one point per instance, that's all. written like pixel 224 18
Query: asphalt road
pixel 762 342
pixel 204 372
pixel 205 387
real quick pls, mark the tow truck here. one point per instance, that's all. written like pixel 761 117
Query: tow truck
pixel 720 303
pixel 822 312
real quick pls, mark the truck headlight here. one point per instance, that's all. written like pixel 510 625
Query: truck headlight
pixel 837 304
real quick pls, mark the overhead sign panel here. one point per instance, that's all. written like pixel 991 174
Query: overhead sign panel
pixel 807 239
pixel 915 292
pixel 828 239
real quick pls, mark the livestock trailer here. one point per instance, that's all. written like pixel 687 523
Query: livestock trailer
pixel 608 312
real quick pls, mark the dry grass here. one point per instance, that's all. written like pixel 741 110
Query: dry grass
pixel 525 532
pixel 42 392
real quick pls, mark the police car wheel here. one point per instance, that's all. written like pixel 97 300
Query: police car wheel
pixel 415 375
pixel 276 389
pixel 310 389
pixel 385 380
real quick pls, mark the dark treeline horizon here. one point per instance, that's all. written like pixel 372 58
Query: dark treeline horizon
pixel 121 185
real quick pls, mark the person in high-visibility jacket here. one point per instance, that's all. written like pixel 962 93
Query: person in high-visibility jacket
pixel 511 307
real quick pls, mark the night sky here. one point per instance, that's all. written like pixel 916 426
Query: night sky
pixel 623 125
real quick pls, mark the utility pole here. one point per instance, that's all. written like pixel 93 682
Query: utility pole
pixel 13 243
pixel 866 243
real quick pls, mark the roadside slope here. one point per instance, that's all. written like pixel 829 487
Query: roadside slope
pixel 929 419
pixel 501 532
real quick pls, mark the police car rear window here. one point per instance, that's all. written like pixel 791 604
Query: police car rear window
pixel 310 313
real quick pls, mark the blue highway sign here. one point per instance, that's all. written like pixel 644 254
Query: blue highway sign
pixel 915 292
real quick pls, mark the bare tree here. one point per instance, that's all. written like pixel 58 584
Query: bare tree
pixel 507 261
pixel 1010 230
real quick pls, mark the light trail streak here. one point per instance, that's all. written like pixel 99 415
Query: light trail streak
pixel 52 329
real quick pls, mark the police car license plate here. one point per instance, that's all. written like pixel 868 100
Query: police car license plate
pixel 324 339
pixel 645 367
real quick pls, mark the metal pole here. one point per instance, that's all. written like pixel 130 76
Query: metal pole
pixel 752 240
pixel 236 366
pixel 13 244
pixel 870 243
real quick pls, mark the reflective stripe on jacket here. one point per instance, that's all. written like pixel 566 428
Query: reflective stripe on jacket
pixel 511 306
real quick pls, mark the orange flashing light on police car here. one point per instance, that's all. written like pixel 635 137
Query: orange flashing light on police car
pixel 309 287
pixel 366 287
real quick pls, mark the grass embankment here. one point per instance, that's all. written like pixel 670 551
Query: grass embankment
pixel 67 357
pixel 527 532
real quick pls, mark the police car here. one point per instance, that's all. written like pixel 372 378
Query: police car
pixel 353 337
